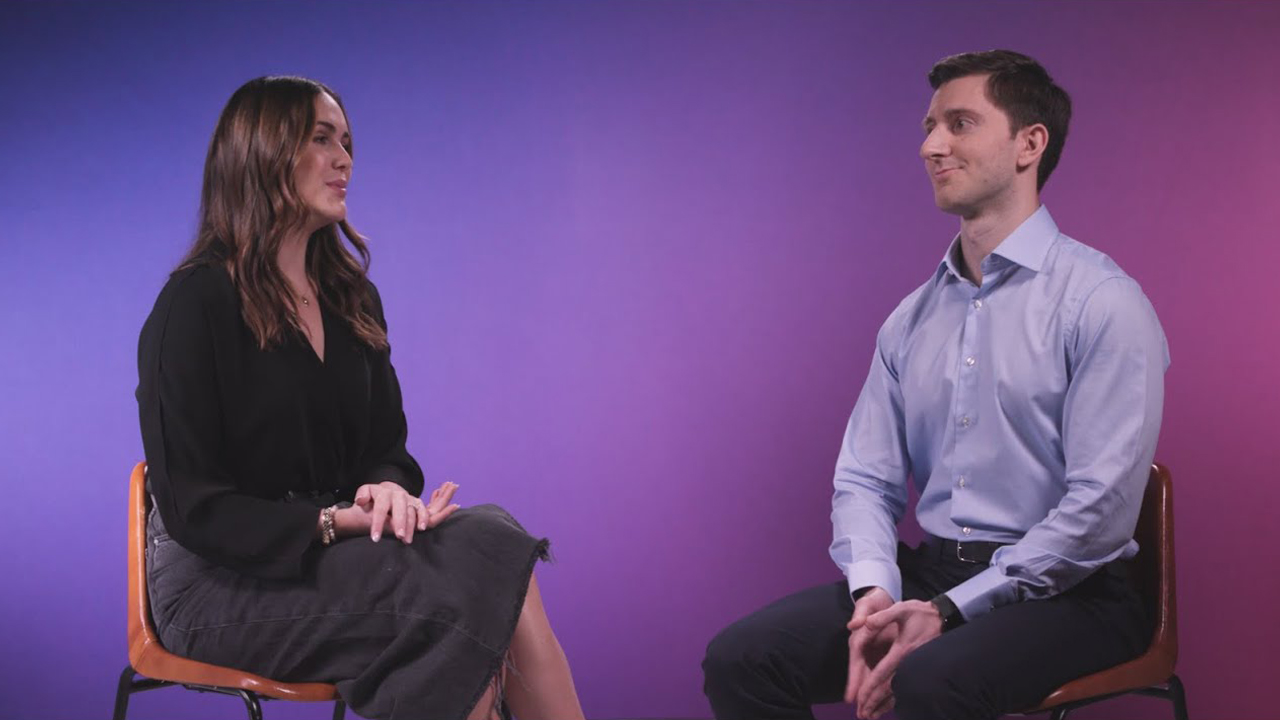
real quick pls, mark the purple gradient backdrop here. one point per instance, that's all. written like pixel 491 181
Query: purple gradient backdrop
pixel 634 256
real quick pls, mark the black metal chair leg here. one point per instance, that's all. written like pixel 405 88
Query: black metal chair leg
pixel 339 710
pixel 123 690
pixel 251 702
pixel 1178 695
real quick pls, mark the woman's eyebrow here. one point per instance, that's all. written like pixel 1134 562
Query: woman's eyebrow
pixel 331 127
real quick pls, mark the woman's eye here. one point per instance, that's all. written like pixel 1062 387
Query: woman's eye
pixel 322 139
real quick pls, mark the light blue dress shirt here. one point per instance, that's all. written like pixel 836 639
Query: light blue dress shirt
pixel 1026 410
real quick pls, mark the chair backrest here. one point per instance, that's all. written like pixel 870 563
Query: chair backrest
pixel 1153 568
pixel 142 636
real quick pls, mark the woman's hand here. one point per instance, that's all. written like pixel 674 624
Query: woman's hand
pixel 374 504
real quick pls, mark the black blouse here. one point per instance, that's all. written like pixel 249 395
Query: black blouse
pixel 230 430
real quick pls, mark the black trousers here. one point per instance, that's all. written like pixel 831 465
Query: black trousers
pixel 794 653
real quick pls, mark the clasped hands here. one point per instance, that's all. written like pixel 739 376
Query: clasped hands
pixel 882 633
pixel 375 505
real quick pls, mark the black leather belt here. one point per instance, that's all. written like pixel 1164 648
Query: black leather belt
pixel 970 551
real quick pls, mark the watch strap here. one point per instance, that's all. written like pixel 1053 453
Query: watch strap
pixel 951 617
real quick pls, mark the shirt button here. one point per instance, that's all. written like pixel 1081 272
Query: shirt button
pixel 977 304
pixel 970 361
pixel 962 481
pixel 966 531
pixel 965 421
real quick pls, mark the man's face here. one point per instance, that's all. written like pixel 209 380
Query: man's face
pixel 969 151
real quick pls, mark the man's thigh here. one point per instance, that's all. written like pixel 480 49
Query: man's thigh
pixel 1012 657
pixel 800 643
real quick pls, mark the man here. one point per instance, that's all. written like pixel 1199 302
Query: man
pixel 1021 387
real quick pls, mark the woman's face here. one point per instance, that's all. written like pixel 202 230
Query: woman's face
pixel 324 166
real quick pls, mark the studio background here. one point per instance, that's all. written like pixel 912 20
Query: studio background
pixel 634 255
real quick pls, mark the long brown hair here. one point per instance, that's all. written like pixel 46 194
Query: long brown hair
pixel 249 204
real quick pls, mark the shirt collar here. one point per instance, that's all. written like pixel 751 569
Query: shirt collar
pixel 1027 245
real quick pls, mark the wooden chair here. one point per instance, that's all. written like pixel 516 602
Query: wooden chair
pixel 1153 672
pixel 159 668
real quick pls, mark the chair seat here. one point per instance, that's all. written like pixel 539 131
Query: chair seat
pixel 151 660
pixel 1152 668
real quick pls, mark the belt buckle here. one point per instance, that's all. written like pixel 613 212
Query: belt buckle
pixel 960 554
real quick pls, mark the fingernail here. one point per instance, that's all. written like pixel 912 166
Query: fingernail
pixel 376 537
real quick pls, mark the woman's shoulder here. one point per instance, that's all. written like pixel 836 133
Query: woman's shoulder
pixel 204 285
pixel 199 294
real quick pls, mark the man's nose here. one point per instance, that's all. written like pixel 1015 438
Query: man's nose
pixel 934 145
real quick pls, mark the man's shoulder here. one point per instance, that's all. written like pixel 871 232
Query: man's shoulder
pixel 1101 294
pixel 1083 264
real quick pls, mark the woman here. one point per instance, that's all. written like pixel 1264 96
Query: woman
pixel 275 443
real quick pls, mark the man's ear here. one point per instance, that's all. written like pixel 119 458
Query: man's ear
pixel 1032 141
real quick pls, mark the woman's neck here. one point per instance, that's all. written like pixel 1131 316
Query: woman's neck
pixel 292 260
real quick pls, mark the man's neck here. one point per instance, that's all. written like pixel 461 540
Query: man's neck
pixel 982 232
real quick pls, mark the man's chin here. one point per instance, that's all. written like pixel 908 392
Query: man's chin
pixel 949 205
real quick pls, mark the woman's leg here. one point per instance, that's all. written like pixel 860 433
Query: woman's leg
pixel 539 687
pixel 488 707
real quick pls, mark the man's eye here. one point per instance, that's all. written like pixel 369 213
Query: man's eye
pixel 961 124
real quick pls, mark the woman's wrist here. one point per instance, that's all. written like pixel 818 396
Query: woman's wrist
pixel 343 525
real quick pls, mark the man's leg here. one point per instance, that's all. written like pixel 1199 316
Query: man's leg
pixel 780 660
pixel 1011 658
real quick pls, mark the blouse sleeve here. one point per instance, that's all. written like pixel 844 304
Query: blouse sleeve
pixel 179 351
pixel 387 457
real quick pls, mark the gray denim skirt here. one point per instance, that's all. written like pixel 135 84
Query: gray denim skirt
pixel 404 631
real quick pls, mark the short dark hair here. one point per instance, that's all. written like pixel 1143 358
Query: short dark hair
pixel 1022 88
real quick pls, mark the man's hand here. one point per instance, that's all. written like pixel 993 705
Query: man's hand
pixel 912 623
pixel 376 504
pixel 866 646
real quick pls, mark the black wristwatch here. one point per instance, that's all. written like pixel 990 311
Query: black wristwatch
pixel 951 617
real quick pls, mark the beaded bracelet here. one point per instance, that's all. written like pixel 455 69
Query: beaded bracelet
pixel 326 525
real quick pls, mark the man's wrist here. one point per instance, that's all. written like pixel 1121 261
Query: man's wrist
pixel 863 592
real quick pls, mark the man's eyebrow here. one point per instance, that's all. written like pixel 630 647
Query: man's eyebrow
pixel 949 114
